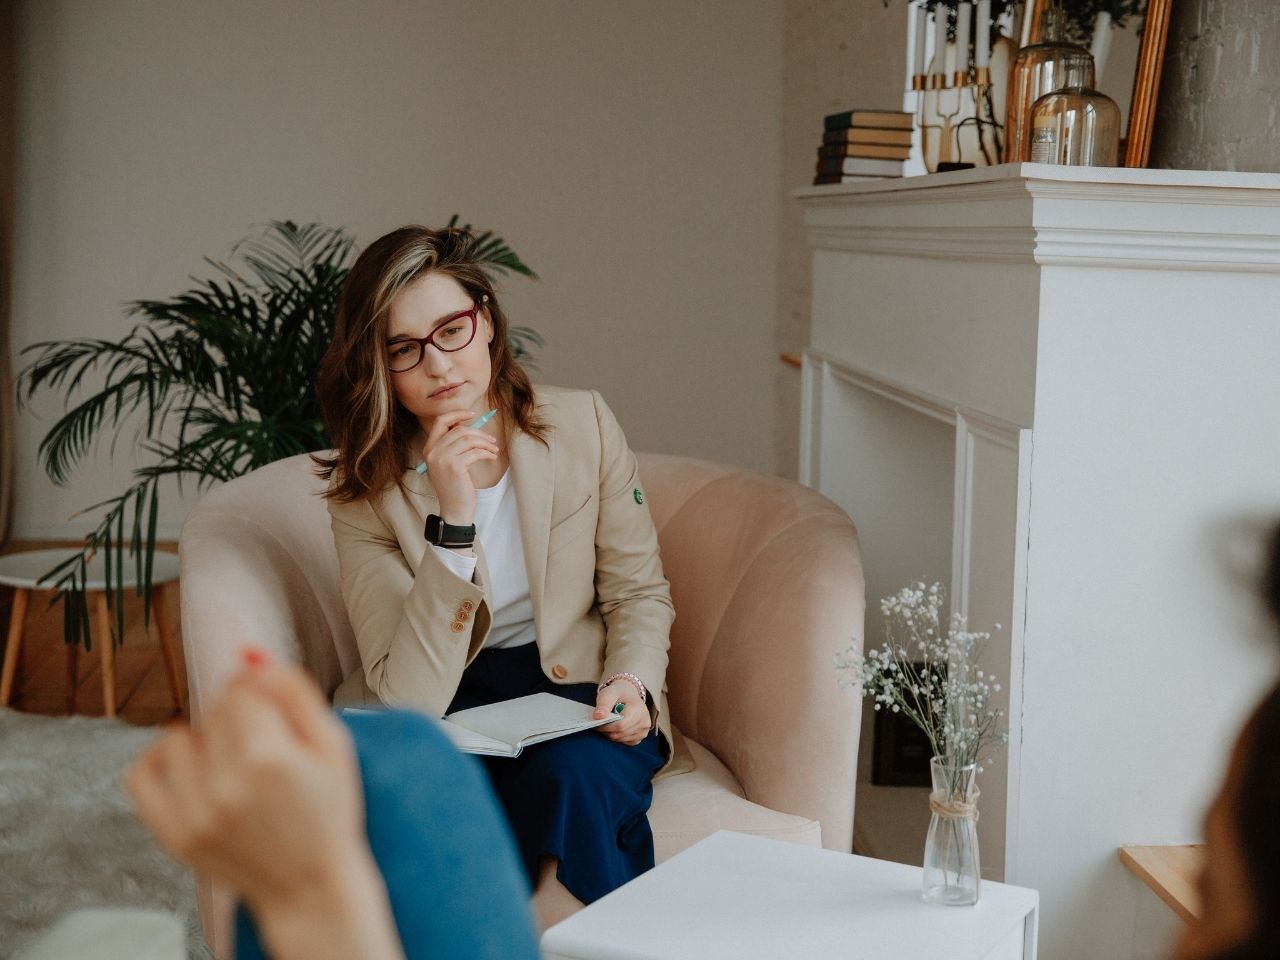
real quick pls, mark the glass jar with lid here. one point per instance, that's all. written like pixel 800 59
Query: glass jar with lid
pixel 1041 68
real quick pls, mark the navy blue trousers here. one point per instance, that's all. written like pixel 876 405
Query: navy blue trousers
pixel 581 799
pixel 452 872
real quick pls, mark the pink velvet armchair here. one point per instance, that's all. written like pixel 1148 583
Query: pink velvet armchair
pixel 767 582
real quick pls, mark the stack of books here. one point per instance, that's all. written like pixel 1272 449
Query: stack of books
pixel 863 145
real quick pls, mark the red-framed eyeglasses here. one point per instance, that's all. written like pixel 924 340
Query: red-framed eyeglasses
pixel 450 335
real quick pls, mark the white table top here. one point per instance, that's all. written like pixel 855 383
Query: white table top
pixel 737 897
pixel 25 569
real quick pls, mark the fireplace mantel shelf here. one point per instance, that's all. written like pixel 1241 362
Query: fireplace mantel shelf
pixel 1047 174
pixel 1052 215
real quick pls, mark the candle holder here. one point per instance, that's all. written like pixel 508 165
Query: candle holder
pixel 959 111
pixel 968 98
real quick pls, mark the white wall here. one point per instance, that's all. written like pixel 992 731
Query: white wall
pixel 1145 642
pixel 629 152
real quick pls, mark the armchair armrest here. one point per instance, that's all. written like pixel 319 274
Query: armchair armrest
pixel 770 706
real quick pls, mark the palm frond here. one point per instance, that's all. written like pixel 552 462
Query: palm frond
pixel 131 382
pixel 492 251
pixel 71 575
pixel 519 338
pixel 286 248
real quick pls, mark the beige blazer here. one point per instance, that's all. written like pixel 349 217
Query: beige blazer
pixel 601 604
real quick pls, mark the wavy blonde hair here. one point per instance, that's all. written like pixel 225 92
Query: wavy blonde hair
pixel 368 427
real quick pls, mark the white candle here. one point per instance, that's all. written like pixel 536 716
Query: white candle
pixel 921 28
pixel 964 18
pixel 1101 45
pixel 982 35
pixel 940 39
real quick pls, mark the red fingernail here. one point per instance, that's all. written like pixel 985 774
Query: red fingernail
pixel 255 659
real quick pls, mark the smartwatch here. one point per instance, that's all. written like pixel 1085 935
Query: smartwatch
pixel 447 535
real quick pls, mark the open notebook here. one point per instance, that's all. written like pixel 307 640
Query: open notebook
pixel 505 728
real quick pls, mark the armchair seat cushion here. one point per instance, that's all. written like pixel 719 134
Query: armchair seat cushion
pixel 690 807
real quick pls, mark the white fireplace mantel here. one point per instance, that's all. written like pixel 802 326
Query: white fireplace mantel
pixel 1062 216
pixel 1054 389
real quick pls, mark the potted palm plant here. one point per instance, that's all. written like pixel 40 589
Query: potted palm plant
pixel 218 380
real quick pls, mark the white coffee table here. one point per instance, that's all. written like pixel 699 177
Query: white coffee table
pixel 739 897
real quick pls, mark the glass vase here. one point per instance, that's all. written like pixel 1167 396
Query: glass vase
pixel 1075 126
pixel 1041 68
pixel 951 864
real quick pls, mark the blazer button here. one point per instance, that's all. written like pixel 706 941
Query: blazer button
pixel 467 606
pixel 458 626
pixel 559 671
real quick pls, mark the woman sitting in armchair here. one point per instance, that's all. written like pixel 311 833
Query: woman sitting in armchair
pixel 493 542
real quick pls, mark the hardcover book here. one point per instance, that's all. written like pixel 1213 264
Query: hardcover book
pixel 875 168
pixel 848 178
pixel 889 119
pixel 873 150
pixel 899 138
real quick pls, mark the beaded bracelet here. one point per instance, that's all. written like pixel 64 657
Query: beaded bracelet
pixel 632 679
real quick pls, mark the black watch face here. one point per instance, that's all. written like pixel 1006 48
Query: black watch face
pixel 435 529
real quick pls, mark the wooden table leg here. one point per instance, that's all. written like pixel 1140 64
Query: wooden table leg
pixel 168 649
pixel 13 643
pixel 107 647
pixel 73 675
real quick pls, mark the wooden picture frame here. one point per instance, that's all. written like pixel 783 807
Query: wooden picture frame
pixel 1146 80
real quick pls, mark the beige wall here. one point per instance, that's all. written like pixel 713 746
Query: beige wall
pixel 840 54
pixel 630 152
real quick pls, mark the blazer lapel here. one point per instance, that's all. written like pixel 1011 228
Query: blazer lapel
pixel 533 476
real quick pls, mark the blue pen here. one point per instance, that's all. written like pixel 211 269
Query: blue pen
pixel 475 424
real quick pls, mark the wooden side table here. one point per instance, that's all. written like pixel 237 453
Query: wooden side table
pixel 23 571
pixel 734 896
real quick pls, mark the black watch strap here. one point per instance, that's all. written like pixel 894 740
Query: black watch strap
pixel 447 535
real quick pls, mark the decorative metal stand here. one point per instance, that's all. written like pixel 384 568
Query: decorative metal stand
pixel 967 97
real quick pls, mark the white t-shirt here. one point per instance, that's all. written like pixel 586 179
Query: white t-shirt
pixel 498 530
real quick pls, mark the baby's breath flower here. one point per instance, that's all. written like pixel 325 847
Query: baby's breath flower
pixel 929 674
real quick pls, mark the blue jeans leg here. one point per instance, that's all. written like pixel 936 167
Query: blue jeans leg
pixel 455 882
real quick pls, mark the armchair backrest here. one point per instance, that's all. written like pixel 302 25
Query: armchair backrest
pixel 259 567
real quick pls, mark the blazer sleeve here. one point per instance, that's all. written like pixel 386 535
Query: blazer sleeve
pixel 416 629
pixel 633 595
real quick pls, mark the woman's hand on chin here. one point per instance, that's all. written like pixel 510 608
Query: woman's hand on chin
pixel 450 451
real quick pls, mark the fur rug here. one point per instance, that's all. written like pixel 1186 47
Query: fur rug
pixel 68 835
